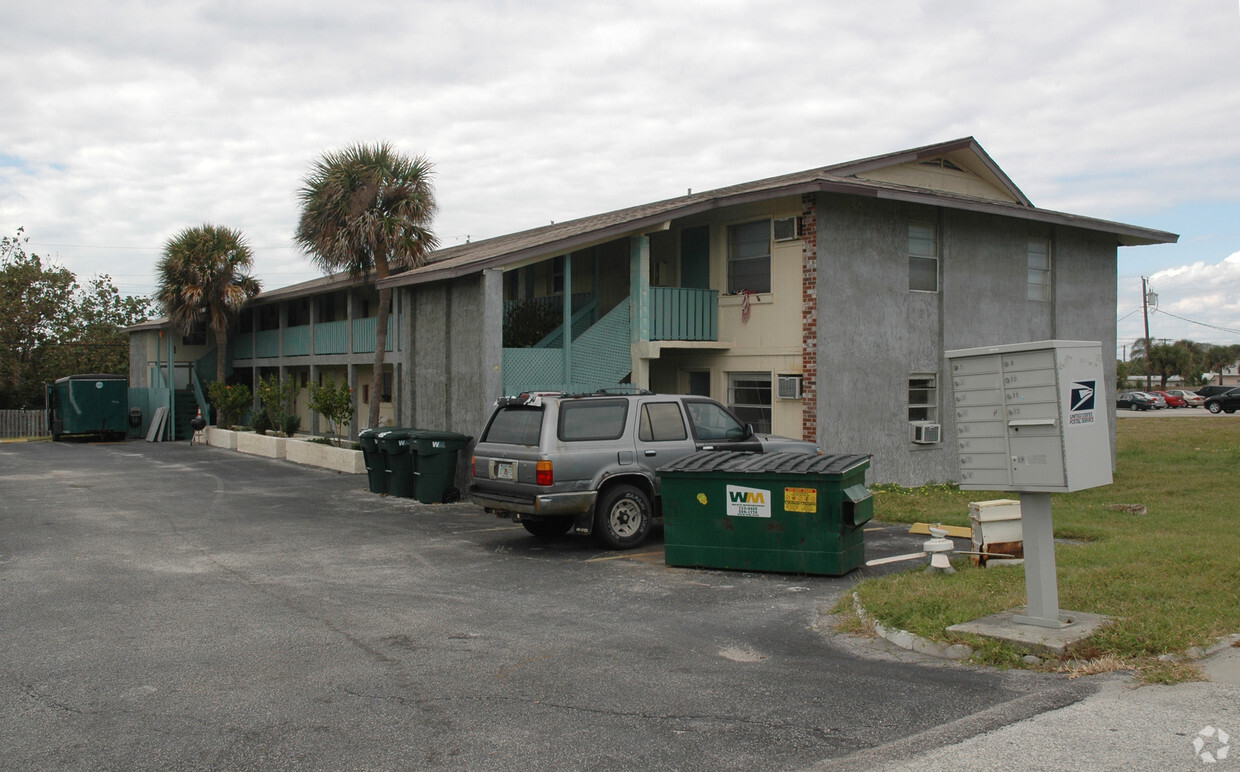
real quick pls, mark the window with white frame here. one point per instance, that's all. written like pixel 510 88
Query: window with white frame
pixel 923 257
pixel 749 257
pixel 923 397
pixel 749 397
pixel 1038 261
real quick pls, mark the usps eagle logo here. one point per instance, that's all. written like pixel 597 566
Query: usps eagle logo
pixel 1083 395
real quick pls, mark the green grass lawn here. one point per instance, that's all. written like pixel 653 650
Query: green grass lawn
pixel 1169 579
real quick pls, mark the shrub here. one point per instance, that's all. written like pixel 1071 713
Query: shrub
pixel 230 401
pixel 334 403
pixel 278 401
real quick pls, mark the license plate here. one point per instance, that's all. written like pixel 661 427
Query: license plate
pixel 505 470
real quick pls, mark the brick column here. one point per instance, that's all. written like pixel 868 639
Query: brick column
pixel 809 317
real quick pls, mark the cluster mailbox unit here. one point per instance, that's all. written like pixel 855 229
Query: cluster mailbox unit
pixel 1033 418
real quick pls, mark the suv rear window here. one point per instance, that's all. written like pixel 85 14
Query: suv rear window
pixel 517 425
pixel 601 419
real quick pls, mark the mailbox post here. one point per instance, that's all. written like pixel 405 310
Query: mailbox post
pixel 1032 418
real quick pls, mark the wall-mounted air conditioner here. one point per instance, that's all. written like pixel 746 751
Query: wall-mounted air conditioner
pixel 786 229
pixel 788 387
pixel 925 433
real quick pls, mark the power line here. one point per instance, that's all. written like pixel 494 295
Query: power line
pixel 1201 324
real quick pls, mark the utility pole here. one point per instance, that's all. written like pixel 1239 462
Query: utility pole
pixel 1148 298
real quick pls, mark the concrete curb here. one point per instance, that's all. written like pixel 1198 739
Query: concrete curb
pixel 906 640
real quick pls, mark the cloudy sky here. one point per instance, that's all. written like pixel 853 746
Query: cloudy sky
pixel 124 122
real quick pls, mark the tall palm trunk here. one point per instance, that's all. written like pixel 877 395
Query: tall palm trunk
pixel 221 354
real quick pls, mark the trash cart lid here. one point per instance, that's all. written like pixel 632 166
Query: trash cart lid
pixel 767 463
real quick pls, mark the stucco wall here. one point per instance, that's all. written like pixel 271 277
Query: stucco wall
pixel 455 341
pixel 873 332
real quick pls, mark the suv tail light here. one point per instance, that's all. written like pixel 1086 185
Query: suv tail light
pixel 543 474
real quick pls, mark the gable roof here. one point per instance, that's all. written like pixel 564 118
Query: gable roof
pixel 851 177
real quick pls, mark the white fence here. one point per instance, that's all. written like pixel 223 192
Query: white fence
pixel 23 423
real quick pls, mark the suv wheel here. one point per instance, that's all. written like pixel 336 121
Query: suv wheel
pixel 1215 408
pixel 622 518
pixel 549 528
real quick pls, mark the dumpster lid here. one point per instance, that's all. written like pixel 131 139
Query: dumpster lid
pixel 93 377
pixel 433 434
pixel 767 463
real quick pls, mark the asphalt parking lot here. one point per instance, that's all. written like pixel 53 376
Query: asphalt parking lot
pixel 175 607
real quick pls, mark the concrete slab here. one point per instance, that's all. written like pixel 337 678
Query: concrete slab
pixel 1037 640
pixel 1222 666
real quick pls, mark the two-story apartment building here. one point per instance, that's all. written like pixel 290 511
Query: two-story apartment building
pixel 816 304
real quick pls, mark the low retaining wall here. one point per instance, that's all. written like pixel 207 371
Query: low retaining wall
pixel 294 449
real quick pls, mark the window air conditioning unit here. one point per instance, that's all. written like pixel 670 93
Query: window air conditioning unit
pixel 788 387
pixel 925 433
pixel 786 229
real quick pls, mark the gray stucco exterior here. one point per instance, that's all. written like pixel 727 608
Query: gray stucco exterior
pixel 454 334
pixel 873 332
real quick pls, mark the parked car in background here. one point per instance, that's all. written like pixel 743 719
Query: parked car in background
pixel 1134 400
pixel 1227 402
pixel 1171 398
pixel 1159 402
pixel 1191 398
pixel 1210 391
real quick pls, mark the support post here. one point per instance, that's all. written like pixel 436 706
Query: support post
pixel 1041 584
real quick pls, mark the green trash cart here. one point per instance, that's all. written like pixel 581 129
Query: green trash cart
pixel 372 456
pixel 786 512
pixel 434 464
pixel 397 461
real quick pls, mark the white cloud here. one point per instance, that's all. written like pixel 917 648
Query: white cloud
pixel 127 121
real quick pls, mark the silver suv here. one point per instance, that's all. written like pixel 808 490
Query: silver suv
pixel 555 462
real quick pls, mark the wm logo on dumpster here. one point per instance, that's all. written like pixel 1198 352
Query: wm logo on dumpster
pixel 748 502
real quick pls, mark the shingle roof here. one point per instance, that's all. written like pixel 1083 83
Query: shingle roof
pixel 563 237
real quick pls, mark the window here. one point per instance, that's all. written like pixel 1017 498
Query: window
pixel 923 258
pixel 661 422
pixel 387 388
pixel 749 257
pixel 712 422
pixel 593 419
pixel 1038 260
pixel 923 397
pixel 749 396
pixel 515 425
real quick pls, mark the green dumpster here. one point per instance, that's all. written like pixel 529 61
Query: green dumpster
pixel 372 455
pixel 435 464
pixel 397 461
pixel 788 512
pixel 89 404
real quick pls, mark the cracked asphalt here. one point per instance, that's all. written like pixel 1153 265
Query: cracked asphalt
pixel 172 607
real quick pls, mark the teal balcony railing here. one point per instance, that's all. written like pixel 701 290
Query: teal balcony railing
pixel 364 334
pixel 331 337
pixel 241 346
pixel 297 341
pixel 684 313
pixel 267 343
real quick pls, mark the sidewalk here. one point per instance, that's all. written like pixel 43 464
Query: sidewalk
pixel 1120 727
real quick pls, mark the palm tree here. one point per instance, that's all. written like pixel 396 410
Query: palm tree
pixel 203 276
pixel 368 208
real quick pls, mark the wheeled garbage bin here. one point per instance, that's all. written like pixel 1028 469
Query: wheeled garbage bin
pixel 397 461
pixel 372 455
pixel 434 464
pixel 788 512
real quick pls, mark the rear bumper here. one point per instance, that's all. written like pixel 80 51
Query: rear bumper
pixel 547 504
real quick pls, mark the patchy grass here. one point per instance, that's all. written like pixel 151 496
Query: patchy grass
pixel 1169 579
